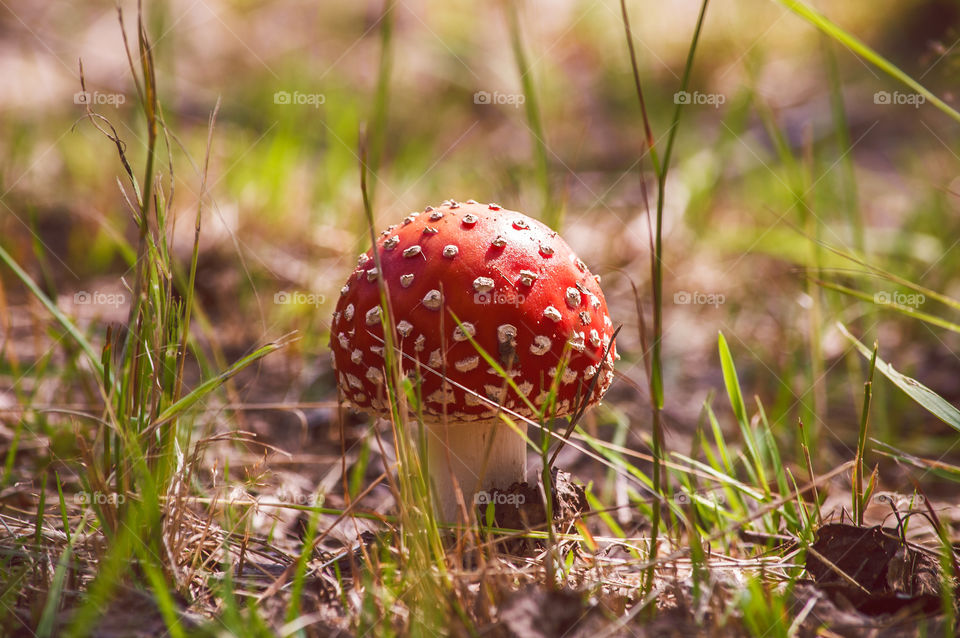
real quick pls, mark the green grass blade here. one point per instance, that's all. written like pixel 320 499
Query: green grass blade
pixel 48 619
pixel 909 311
pixel 927 398
pixel 210 385
pixel 63 507
pixel 160 590
pixel 858 502
pixel 873 271
pixel 381 97
pixel 61 318
pixel 932 466
pixel 721 443
pixel 731 381
pixel 859 48
pixel 722 478
pixel 551 212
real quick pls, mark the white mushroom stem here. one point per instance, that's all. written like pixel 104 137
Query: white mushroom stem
pixel 462 455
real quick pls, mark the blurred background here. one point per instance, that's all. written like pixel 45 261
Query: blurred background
pixel 785 140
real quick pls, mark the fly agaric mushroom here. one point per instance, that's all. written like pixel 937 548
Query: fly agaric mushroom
pixel 519 292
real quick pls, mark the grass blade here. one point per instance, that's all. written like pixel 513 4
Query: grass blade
pixel 731 381
pixel 848 40
pixel 61 318
pixel 551 212
pixel 858 501
pixel 909 311
pixel 927 398
pixel 210 385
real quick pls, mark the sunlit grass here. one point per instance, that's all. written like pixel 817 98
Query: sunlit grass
pixel 139 414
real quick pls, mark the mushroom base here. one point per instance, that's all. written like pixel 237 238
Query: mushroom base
pixel 476 457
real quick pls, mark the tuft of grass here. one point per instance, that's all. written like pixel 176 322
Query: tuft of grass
pixel 655 364
pixel 135 459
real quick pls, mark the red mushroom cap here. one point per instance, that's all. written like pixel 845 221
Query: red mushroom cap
pixel 516 286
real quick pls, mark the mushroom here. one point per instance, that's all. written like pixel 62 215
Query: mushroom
pixel 519 292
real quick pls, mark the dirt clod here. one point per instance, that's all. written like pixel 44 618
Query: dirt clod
pixel 872 570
